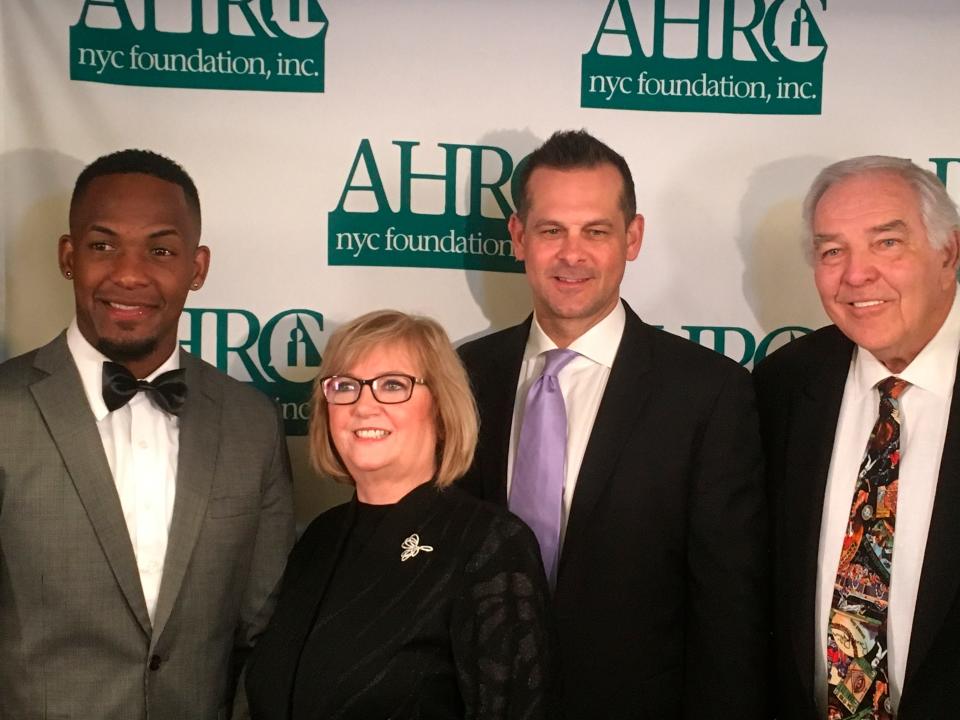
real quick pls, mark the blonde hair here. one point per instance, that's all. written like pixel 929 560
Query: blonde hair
pixel 443 373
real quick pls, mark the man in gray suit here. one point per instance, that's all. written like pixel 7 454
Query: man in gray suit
pixel 145 497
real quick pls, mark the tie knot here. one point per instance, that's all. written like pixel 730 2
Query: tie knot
pixel 892 387
pixel 556 360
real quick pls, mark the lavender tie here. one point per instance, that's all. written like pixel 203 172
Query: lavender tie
pixel 536 493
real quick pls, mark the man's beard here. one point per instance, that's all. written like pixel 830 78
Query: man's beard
pixel 122 352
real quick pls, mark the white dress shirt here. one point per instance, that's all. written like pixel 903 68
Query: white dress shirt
pixel 925 408
pixel 582 382
pixel 141 443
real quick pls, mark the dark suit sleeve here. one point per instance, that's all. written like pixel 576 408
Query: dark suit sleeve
pixel 472 480
pixel 275 537
pixel 726 617
pixel 500 630
pixel 771 401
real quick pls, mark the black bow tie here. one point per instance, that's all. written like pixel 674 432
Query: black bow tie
pixel 168 390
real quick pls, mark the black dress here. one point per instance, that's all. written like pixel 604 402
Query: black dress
pixel 434 608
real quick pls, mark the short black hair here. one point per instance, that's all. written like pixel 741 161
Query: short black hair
pixel 144 162
pixel 569 150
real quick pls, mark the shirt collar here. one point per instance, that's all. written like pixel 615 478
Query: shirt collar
pixel 89 362
pixel 933 369
pixel 599 343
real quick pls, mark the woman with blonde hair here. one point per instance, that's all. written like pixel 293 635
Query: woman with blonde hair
pixel 414 600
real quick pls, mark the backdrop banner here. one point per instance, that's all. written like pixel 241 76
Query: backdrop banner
pixel 359 155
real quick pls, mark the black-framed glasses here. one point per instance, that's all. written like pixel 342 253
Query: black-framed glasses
pixel 388 389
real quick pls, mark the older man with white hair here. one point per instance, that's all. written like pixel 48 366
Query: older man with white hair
pixel 867 621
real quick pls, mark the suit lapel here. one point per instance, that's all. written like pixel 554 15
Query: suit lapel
pixel 622 403
pixel 498 403
pixel 299 602
pixel 64 406
pixel 197 459
pixel 939 580
pixel 810 436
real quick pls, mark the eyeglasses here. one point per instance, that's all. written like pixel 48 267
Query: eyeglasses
pixel 388 389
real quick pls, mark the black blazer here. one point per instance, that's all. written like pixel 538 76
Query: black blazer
pixel 800 388
pixel 458 630
pixel 660 597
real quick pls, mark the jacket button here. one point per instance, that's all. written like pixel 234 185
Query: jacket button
pixel 154 662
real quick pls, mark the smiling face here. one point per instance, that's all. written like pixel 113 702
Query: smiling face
pixel 387 449
pixel 575 242
pixel 133 254
pixel 879 279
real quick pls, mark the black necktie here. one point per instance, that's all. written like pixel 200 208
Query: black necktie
pixel 168 390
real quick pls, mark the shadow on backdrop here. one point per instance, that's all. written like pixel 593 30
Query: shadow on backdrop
pixel 36 303
pixel 504 298
pixel 777 280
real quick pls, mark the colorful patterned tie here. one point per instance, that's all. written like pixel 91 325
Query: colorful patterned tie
pixel 536 493
pixel 857 677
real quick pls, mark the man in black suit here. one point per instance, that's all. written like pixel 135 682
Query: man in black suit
pixel 659 592
pixel 867 582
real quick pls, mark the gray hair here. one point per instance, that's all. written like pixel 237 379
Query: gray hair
pixel 938 211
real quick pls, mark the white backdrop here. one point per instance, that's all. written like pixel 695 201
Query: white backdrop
pixel 274 156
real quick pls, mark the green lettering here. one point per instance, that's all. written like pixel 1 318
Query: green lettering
pixel 629 28
pixel 365 154
pixel 476 179
pixel 720 339
pixel 120 6
pixel 942 164
pixel 407 175
pixel 194 343
pixel 764 346
pixel 266 341
pixel 702 21
pixel 770 34
pixel 223 16
pixel 729 7
pixel 315 13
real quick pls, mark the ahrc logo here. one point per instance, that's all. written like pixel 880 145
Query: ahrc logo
pixel 252 44
pixel 469 231
pixel 280 357
pixel 734 56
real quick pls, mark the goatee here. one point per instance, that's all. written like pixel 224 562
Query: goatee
pixel 123 352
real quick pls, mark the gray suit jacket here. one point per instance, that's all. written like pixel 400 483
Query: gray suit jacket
pixel 75 637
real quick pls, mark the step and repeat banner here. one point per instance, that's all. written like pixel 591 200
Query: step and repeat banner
pixel 354 155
